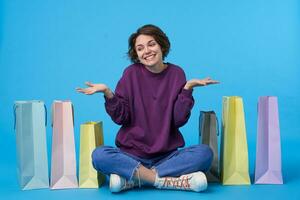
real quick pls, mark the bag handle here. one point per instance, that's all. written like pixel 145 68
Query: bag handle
pixel 217 123
pixel 15 117
pixel 73 113
pixel 45 114
pixel 52 114
pixel 200 122
pixel 217 126
pixel 15 120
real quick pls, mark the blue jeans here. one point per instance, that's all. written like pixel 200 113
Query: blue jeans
pixel 111 160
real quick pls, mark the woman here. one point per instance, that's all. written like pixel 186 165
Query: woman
pixel 151 101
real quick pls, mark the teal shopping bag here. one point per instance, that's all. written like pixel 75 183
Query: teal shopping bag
pixel 32 161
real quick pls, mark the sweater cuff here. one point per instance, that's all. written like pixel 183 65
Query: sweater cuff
pixel 187 93
pixel 111 101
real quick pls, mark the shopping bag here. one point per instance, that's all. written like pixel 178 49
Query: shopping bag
pixel 32 161
pixel 208 132
pixel 91 136
pixel 234 148
pixel 268 148
pixel 63 162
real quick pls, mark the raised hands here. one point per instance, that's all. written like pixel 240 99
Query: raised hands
pixel 94 88
pixel 199 82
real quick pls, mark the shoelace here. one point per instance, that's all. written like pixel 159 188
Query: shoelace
pixel 181 182
pixel 131 184
pixel 138 173
pixel 128 184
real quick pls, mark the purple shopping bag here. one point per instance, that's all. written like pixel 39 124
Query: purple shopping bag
pixel 268 149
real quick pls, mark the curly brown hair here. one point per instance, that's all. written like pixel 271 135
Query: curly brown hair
pixel 159 36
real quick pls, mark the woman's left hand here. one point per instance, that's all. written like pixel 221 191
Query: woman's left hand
pixel 199 82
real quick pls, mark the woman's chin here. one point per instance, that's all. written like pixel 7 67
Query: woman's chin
pixel 150 63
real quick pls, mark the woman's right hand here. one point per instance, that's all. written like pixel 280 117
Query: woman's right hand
pixel 94 88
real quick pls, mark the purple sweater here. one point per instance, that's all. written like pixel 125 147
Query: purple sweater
pixel 150 107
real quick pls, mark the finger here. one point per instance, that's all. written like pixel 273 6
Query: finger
pixel 89 84
pixel 214 82
pixel 79 89
pixel 85 91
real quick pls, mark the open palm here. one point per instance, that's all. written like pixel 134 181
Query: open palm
pixel 92 88
pixel 201 82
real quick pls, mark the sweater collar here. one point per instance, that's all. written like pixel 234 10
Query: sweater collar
pixel 149 73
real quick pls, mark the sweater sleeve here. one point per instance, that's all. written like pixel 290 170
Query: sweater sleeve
pixel 183 103
pixel 118 106
pixel 182 108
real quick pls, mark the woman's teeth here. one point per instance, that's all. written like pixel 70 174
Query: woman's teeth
pixel 149 57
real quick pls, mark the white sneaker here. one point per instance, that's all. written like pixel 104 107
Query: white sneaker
pixel 118 183
pixel 195 182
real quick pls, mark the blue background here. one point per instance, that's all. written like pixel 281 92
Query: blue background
pixel 50 47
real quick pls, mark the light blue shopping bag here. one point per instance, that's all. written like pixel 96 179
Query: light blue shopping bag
pixel 30 126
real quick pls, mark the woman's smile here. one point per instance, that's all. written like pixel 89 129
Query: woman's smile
pixel 150 57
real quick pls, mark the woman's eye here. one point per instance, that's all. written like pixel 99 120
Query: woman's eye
pixel 152 44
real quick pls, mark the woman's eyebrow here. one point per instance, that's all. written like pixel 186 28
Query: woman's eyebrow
pixel 150 41
pixel 143 45
pixel 139 45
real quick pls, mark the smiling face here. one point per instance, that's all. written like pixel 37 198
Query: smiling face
pixel 148 51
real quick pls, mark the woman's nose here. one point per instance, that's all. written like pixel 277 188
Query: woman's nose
pixel 147 50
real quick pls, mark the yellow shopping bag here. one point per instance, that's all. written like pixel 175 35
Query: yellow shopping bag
pixel 91 136
pixel 234 148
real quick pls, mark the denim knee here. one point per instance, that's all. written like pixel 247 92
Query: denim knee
pixel 99 157
pixel 209 154
pixel 205 155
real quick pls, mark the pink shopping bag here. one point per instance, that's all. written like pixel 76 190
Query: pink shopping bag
pixel 63 164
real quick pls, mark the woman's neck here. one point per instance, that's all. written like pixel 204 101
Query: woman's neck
pixel 157 68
